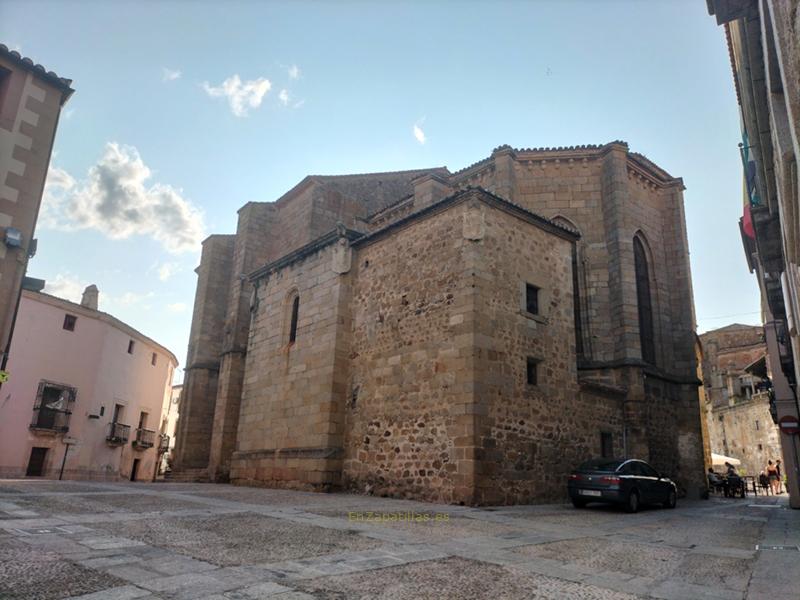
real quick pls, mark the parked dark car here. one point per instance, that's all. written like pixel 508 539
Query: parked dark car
pixel 629 482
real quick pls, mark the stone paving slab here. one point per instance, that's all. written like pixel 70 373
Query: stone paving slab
pixel 34 573
pixel 219 542
pixel 453 578
pixel 237 539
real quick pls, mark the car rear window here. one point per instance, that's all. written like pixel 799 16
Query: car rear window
pixel 600 465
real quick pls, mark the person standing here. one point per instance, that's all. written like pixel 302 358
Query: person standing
pixel 780 475
pixel 772 473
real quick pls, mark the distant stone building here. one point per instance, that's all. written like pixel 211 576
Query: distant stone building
pixel 457 337
pixel 737 396
pixel 86 393
pixel 30 102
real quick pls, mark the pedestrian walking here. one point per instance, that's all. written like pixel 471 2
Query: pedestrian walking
pixel 772 473
pixel 780 476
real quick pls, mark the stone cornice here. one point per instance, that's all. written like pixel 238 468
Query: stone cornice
pixel 462 196
pixel 304 251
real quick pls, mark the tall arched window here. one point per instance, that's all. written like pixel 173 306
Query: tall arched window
pixel 293 325
pixel 643 299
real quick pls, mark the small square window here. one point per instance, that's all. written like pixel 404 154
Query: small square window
pixel 69 322
pixel 532 299
pixel 131 344
pixel 153 359
pixel 532 371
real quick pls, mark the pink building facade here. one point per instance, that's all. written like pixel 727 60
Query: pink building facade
pixel 86 394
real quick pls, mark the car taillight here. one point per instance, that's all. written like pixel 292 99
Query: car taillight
pixel 575 477
pixel 609 479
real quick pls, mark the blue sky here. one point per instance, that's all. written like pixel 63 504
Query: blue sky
pixel 196 108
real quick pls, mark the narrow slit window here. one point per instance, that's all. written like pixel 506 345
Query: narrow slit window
pixel 532 299
pixel 606 445
pixel 153 359
pixel 532 374
pixel 293 326
pixel 131 344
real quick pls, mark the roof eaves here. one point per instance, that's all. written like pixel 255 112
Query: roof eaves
pixel 484 195
pixel 304 251
pixel 122 325
pixel 62 83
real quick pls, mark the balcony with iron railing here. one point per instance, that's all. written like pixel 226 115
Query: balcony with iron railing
pixel 48 420
pixel 145 438
pixel 118 434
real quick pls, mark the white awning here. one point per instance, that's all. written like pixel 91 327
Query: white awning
pixel 721 459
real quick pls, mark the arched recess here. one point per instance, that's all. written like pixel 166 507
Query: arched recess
pixel 580 296
pixel 646 300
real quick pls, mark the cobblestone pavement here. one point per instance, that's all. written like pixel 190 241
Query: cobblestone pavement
pixel 121 541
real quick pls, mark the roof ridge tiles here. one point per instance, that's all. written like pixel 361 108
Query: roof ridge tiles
pixel 27 62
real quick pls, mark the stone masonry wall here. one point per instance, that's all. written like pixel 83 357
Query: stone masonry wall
pixel 530 436
pixel 251 250
pixel 290 422
pixel 194 428
pixel 406 426
pixel 745 431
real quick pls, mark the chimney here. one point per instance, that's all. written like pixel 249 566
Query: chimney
pixel 89 299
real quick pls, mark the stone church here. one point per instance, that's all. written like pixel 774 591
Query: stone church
pixel 460 337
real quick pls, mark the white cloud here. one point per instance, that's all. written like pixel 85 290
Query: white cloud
pixel 177 307
pixel 130 299
pixel 67 286
pixel 283 96
pixel 298 104
pixel 170 74
pixel 115 199
pixel 419 134
pixel 294 72
pixel 167 270
pixel 242 96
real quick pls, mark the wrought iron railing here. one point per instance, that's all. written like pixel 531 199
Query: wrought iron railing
pixel 48 419
pixel 145 438
pixel 118 433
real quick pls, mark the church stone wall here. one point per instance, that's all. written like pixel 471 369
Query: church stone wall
pixel 195 424
pixel 290 424
pixel 408 374
pixel 407 425
pixel 530 436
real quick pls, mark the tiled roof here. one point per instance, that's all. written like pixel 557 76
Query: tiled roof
pixel 61 83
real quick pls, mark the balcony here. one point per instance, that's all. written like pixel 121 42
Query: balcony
pixel 145 438
pixel 48 420
pixel 118 434
pixel 163 443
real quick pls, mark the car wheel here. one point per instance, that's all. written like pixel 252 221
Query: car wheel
pixel 632 505
pixel 672 500
pixel 577 503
